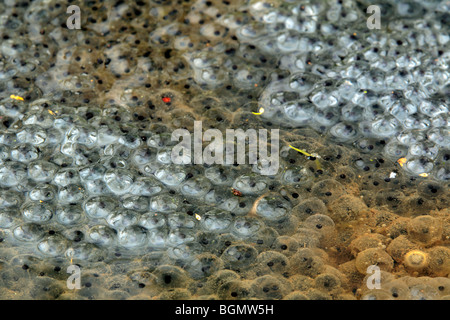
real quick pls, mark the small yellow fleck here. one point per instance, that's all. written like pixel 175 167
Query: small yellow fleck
pixel 197 216
pixel 51 112
pixel 365 91
pixel 16 97
pixel 301 151
pixel 402 161
pixel 315 155
pixel 424 175
pixel 261 111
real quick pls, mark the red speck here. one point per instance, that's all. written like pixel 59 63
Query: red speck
pixel 166 99
pixel 236 192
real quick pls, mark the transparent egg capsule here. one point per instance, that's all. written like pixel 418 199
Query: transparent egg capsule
pixel 102 235
pixel 204 265
pixel 326 117
pixel 10 199
pixel 122 219
pixel 189 221
pixel 131 237
pixel 425 149
pixel 402 109
pixel 96 187
pixel 250 184
pixel 130 140
pixel 324 97
pixel 158 238
pixel 196 187
pixel 385 127
pixel 299 112
pixel 395 150
pixel 164 203
pixel 303 83
pixel 71 193
pixel 219 175
pixel 440 136
pixel 100 206
pixel 53 245
pixel 42 119
pixel 244 227
pixel 344 131
pixel 297 175
pixel 216 221
pixel 44 192
pixel 24 153
pixel 8 218
pixel 418 166
pixel 183 252
pixel 91 172
pixel 352 113
pixel 273 207
pixel 69 215
pixel 119 181
pixel 135 203
pixel 142 156
pixel 365 98
pixel 82 135
pixel 5 152
pixel 146 186
pixel 33 136
pixel 239 256
pixel 151 220
pixel 433 109
pixel 37 212
pixel 180 236
pixel 29 232
pixel 171 175
pixel 42 171
pixel 84 252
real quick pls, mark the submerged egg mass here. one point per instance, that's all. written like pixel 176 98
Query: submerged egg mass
pixel 88 177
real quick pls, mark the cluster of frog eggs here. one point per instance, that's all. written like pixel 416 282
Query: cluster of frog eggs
pixel 348 80
pixel 77 187
pixel 196 239
pixel 96 186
